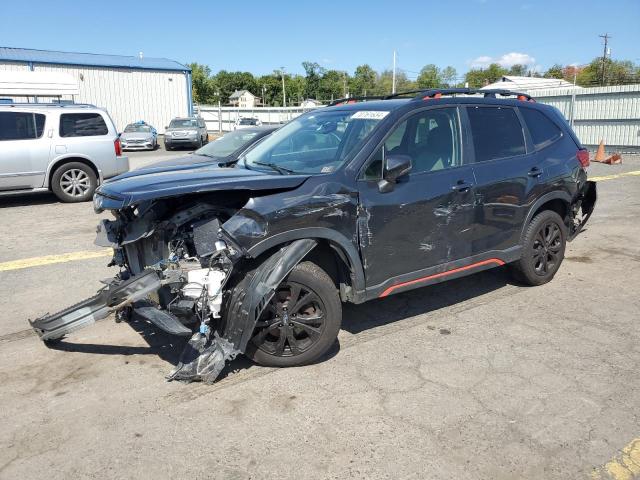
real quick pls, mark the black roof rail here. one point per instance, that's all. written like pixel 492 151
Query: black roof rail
pixel 437 92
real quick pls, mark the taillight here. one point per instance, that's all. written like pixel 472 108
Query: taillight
pixel 583 157
pixel 117 146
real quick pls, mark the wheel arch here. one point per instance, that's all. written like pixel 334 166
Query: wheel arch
pixel 559 202
pixel 59 162
pixel 332 246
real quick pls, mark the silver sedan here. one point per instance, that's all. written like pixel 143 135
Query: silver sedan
pixel 139 136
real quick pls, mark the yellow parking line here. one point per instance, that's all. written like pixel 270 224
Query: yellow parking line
pixel 624 466
pixel 614 176
pixel 52 259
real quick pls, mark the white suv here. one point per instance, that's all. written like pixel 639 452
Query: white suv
pixel 68 149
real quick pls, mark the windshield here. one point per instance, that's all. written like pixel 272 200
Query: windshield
pixel 316 143
pixel 248 121
pixel 227 144
pixel 183 123
pixel 137 128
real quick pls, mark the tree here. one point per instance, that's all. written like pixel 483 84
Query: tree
pixel 478 77
pixel 555 71
pixel 201 83
pixel 313 74
pixel 449 76
pixel 518 71
pixel 228 82
pixel 384 83
pixel 429 77
pixel 332 85
pixel 363 81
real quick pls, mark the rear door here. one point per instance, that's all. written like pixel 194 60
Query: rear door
pixel 425 220
pixel 24 150
pixel 86 134
pixel 509 175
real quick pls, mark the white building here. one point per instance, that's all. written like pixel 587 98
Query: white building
pixel 130 88
pixel 527 84
pixel 243 99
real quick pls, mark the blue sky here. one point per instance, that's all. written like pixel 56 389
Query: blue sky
pixel 262 36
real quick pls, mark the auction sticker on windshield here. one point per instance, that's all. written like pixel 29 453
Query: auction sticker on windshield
pixel 369 115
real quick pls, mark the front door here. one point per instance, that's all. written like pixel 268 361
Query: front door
pixel 424 221
pixel 24 150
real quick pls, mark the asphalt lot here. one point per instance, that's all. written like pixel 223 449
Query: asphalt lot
pixel 477 378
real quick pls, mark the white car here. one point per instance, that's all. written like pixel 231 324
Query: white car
pixel 246 122
pixel 65 148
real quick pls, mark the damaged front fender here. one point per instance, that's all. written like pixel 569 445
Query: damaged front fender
pixel 206 354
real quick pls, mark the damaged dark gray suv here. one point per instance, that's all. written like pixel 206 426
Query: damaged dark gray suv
pixel 363 199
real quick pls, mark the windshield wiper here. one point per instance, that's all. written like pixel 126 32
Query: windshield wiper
pixel 273 166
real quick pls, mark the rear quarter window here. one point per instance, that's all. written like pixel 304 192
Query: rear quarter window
pixel 82 125
pixel 543 131
pixel 497 133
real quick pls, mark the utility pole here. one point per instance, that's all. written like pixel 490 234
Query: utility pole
pixel 219 112
pixel 264 102
pixel 393 82
pixel 344 84
pixel 606 37
pixel 284 95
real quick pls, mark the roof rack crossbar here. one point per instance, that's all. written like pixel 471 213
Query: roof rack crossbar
pixel 341 101
pixel 45 104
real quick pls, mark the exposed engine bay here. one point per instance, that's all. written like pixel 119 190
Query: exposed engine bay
pixel 176 271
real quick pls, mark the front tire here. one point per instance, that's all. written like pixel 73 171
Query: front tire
pixel 543 249
pixel 74 182
pixel 300 323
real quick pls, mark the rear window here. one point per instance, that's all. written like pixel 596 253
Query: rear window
pixel 543 131
pixel 82 125
pixel 497 133
pixel 21 125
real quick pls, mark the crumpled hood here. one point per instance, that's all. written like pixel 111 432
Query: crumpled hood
pixel 136 186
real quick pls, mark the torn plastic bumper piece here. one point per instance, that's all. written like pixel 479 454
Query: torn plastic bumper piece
pixel 203 358
pixel 117 294
pixel 587 202
pixel 162 319
pixel 205 355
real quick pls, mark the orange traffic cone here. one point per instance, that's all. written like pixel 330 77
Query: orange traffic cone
pixel 600 153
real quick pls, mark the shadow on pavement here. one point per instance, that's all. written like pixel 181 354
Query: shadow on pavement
pixel 357 318
pixel 27 199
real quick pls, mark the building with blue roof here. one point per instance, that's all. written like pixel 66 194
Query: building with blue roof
pixel 130 88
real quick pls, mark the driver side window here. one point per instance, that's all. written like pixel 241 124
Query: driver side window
pixel 431 138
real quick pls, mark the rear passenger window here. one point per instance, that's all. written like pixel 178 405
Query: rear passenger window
pixel 21 125
pixel 543 131
pixel 496 132
pixel 82 125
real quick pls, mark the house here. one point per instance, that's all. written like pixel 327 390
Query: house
pixel 529 84
pixel 243 99
pixel 129 87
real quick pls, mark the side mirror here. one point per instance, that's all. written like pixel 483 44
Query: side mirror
pixel 396 166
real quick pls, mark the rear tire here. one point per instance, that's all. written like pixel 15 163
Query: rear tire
pixel 543 249
pixel 74 182
pixel 300 323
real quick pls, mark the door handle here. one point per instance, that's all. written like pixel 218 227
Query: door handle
pixel 461 186
pixel 535 172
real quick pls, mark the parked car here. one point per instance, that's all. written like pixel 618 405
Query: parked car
pixel 221 152
pixel 67 149
pixel 257 259
pixel 188 131
pixel 139 136
pixel 245 122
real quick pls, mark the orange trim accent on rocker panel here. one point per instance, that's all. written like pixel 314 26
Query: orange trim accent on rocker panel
pixel 497 261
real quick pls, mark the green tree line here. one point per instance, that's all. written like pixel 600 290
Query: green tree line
pixel 328 84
